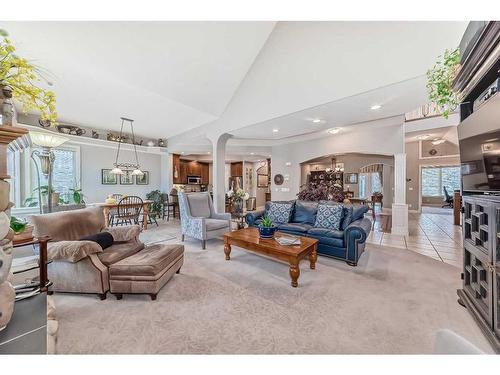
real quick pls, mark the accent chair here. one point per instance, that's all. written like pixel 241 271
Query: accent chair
pixel 199 219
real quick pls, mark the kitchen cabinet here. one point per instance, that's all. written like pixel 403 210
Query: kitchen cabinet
pixel 237 169
pixel 176 169
pixel 205 173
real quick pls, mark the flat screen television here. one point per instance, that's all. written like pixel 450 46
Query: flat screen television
pixel 480 162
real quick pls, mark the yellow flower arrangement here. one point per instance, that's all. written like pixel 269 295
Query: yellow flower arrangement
pixel 18 74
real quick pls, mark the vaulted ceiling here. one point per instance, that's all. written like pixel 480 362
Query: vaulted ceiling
pixel 242 77
pixel 168 76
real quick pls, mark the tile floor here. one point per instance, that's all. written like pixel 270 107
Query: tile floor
pixel 432 233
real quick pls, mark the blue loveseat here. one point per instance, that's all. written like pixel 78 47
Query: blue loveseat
pixel 347 244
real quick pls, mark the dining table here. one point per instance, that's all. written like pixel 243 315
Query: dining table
pixel 146 204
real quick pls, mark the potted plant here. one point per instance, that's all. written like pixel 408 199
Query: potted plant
pixel 237 197
pixel 22 231
pixel 266 227
pixel 17 81
pixel 77 195
pixel 157 205
pixel 440 81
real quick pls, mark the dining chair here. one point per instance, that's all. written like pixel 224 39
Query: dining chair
pixel 129 209
pixel 174 200
pixel 167 207
pixel 113 211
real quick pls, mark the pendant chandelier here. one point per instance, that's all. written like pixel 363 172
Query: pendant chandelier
pixel 120 167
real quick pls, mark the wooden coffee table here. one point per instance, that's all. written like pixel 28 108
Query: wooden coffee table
pixel 249 239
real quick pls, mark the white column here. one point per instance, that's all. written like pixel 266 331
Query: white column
pixel 399 207
pixel 218 170
pixel 166 165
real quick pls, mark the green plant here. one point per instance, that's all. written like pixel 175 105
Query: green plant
pixel 440 80
pixel 17 225
pixel 266 222
pixel 18 74
pixel 157 198
pixel 77 195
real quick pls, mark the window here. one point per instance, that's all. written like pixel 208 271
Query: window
pixel 24 181
pixel 362 185
pixel 369 183
pixel 435 178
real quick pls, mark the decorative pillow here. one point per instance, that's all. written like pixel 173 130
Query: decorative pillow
pixel 347 217
pixel 103 239
pixel 359 212
pixel 329 216
pixel 279 212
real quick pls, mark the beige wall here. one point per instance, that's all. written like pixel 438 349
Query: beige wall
pixel 414 164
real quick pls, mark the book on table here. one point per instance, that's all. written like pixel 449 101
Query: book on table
pixel 287 239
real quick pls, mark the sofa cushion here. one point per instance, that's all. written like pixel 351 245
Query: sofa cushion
pixel 103 239
pixel 279 212
pixel 295 227
pixel 359 212
pixel 215 224
pixel 323 232
pixel 329 216
pixel 119 251
pixel 198 205
pixel 346 217
pixel 305 212
pixel 151 261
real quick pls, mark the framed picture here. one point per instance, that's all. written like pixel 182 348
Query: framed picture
pixel 351 178
pixel 107 178
pixel 126 178
pixel 142 180
pixel 262 180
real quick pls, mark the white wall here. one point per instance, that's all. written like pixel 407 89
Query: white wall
pixel 94 158
pixel 369 139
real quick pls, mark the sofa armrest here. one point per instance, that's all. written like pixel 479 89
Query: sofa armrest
pixel 224 216
pixel 359 229
pixel 355 236
pixel 125 233
pixel 251 217
pixel 72 251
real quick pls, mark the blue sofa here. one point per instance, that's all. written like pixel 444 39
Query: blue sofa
pixel 347 244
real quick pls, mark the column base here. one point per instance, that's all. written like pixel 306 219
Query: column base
pixel 399 219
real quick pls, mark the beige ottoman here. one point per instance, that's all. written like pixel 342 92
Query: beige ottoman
pixel 147 271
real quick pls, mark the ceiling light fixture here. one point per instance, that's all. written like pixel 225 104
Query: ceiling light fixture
pixel 275 130
pixel 438 141
pixel 119 167
pixel 333 130
pixel 423 137
pixel 375 106
pixel 252 153
pixel 316 120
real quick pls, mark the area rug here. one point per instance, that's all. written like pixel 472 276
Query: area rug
pixel 393 302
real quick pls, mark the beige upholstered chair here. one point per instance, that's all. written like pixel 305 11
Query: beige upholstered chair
pixel 199 219
pixel 82 266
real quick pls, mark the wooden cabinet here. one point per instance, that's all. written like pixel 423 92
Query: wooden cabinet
pixel 193 168
pixel 176 169
pixel 183 173
pixel 237 169
pixel 205 173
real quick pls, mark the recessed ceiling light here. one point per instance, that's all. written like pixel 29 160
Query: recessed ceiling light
pixel 438 141
pixel 316 120
pixel 422 137
pixel 275 130
pixel 208 152
pixel 375 106
pixel 252 153
pixel 182 152
pixel 333 130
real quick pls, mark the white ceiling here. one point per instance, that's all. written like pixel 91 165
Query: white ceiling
pixel 168 76
pixel 394 99
pixel 177 77
pixel 448 133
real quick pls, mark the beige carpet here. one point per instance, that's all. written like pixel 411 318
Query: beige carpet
pixel 393 302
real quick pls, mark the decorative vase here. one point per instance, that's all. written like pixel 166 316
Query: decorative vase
pixel 238 206
pixel 6 107
pixel 7 299
pixel 267 232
